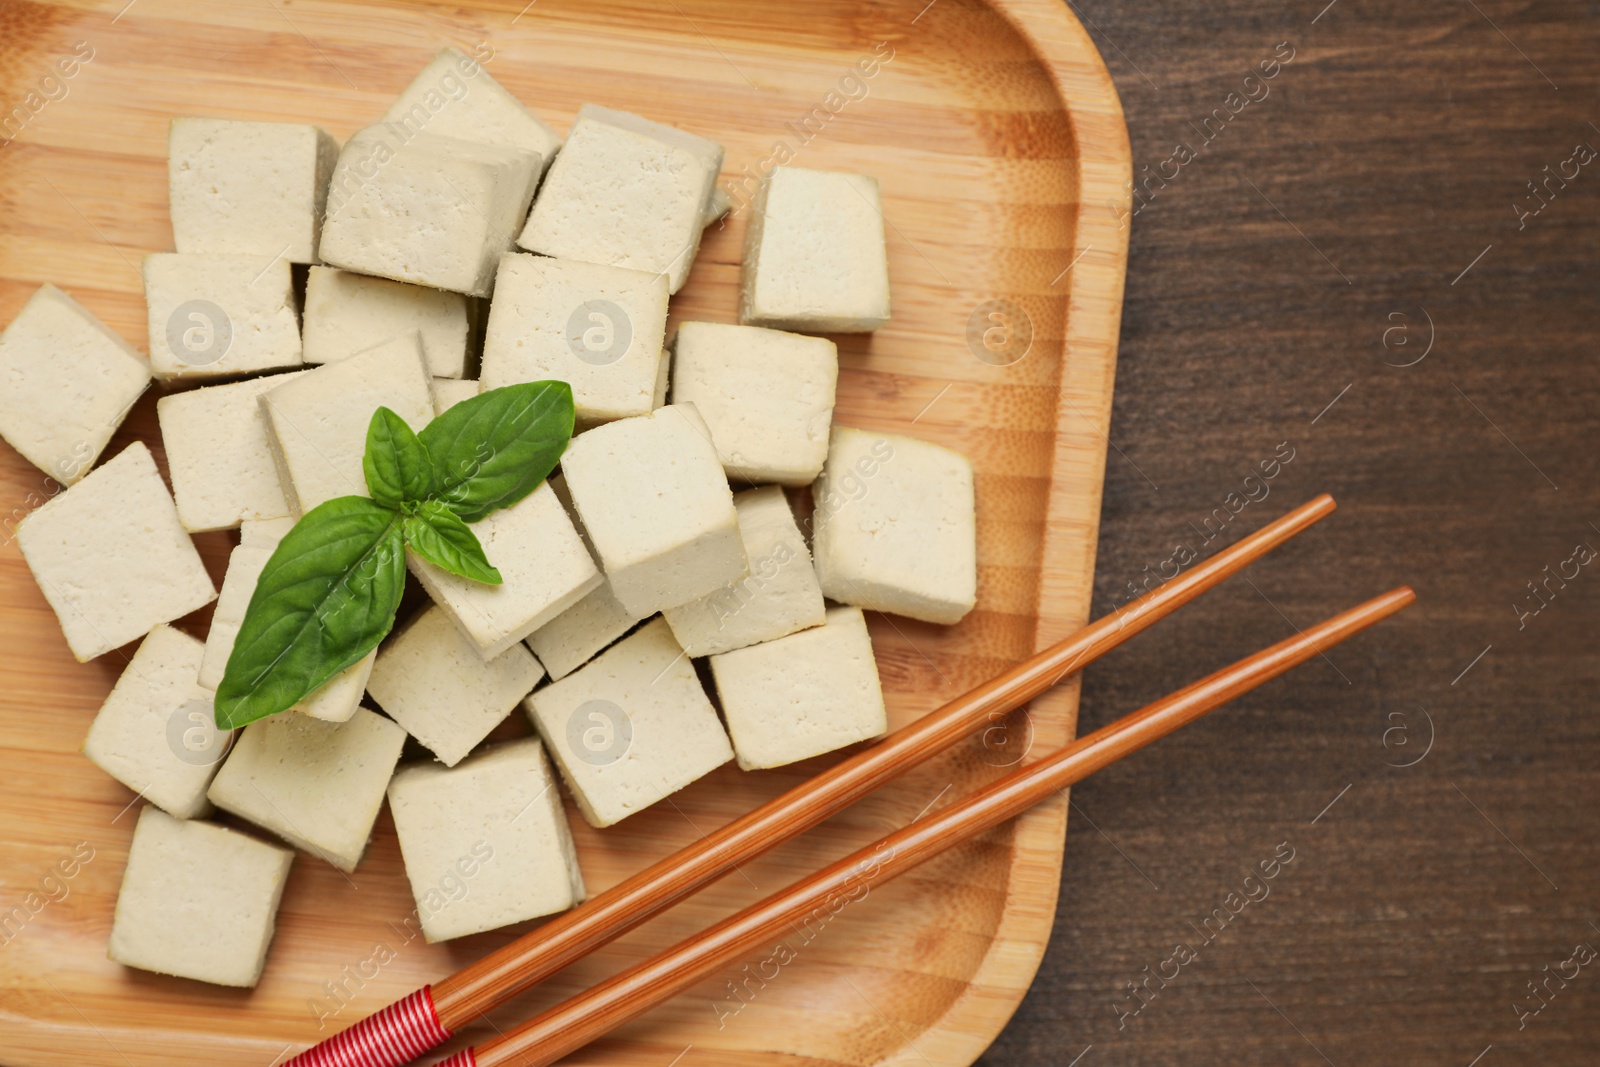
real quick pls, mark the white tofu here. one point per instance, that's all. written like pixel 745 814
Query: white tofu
pixel 802 695
pixel 264 533
pixel 245 565
pixel 572 638
pixel 431 680
pixel 448 392
pixel 214 315
pixel 219 453
pixel 895 526
pixel 317 785
pixel 543 566
pixel 657 508
pixel 334 701
pixel 156 733
pixel 347 313
pixel 707 152
pixel 766 396
pixel 815 259
pixel 197 901
pixel 426 209
pixel 626 192
pixel 779 596
pixel 69 381
pixel 598 328
pixel 494 824
pixel 111 557
pixel 337 699
pixel 455 96
pixel 630 728
pixel 319 421
pixel 248 188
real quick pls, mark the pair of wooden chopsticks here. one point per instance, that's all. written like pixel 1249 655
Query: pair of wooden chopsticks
pixel 428 1017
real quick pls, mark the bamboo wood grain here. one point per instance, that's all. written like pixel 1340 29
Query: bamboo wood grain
pixel 491 981
pixel 1000 147
pixel 575 1022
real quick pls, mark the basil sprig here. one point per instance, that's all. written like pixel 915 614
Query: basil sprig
pixel 328 594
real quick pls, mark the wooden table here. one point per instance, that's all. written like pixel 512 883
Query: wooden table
pixel 1277 286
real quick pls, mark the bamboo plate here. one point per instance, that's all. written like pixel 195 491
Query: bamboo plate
pixel 1000 145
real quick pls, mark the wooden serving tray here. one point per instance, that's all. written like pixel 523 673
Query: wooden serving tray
pixel 1000 145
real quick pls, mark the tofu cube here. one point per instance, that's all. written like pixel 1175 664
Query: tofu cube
pixel 426 209
pixel 197 901
pixel 802 695
pixel 214 315
pixel 157 733
pixel 598 328
pixel 543 564
pixel 572 638
pixel 348 313
pixel 248 188
pixel 814 255
pixel 319 421
pixel 895 526
pixel 337 699
pixel 334 701
pixel 495 823
pixel 707 152
pixel 264 533
pixel 431 680
pixel 456 97
pixel 766 396
pixel 245 565
pixel 318 785
pixel 69 383
pixel 448 392
pixel 630 728
pixel 219 453
pixel 111 557
pixel 779 596
pixel 626 192
pixel 657 508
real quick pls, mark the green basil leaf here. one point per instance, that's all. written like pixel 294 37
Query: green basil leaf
pixel 397 467
pixel 438 535
pixel 326 597
pixel 493 449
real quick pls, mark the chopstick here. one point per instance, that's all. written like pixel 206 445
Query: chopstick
pixel 426 1018
pixel 577 1021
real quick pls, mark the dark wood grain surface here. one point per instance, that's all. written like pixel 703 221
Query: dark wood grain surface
pixel 1341 208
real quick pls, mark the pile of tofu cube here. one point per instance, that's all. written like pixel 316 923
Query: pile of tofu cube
pixel 460 235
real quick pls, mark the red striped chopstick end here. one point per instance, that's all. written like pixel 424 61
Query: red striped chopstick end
pixel 393 1037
